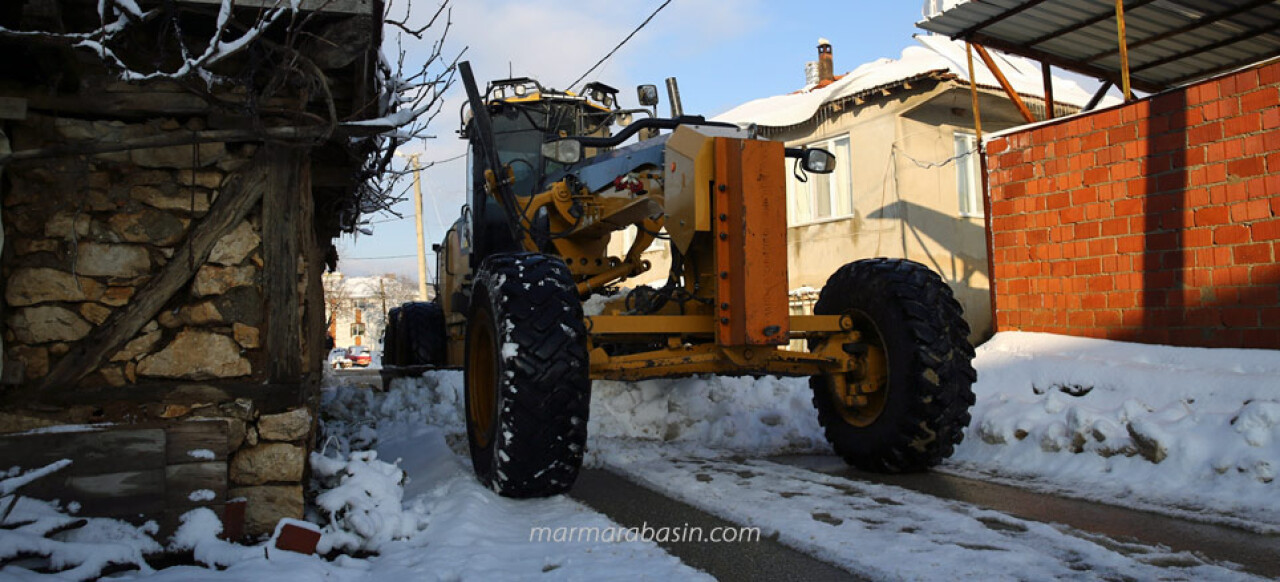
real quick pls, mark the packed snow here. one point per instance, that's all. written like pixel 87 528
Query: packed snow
pixel 1186 431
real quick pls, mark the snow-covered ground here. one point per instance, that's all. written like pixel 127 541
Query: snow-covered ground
pixel 1086 418
pixel 1184 431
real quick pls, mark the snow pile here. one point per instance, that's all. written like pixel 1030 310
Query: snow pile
pixel 75 548
pixel 361 500
pixel 1188 431
pixel 198 533
pixel 765 416
pixel 448 526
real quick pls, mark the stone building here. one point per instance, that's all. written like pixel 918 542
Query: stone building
pixel 164 237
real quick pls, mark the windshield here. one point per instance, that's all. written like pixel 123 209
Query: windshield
pixel 520 129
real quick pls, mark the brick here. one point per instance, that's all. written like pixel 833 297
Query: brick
pixel 1084 196
pixel 1203 134
pixel 1265 231
pixel 1130 244
pixel 1122 134
pixel 1271 119
pixel 1260 99
pixel 1230 234
pixel 1197 238
pixel 1239 317
pixel 1242 124
pixel 1246 167
pixel 1250 254
pixel 1129 207
pixel 1211 216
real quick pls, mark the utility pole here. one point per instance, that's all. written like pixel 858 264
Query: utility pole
pixel 417 221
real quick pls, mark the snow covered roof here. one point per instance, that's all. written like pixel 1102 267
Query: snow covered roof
pixel 936 57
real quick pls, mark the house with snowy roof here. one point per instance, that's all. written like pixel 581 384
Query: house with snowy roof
pixel 907 183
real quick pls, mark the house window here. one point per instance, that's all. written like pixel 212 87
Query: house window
pixel 357 329
pixel 822 196
pixel 968 184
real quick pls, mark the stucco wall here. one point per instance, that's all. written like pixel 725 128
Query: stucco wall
pixel 905 200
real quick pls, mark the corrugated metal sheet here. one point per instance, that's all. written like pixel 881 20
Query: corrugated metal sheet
pixel 1171 42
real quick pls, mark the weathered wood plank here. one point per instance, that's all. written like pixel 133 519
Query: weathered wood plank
pixel 13 108
pixel 182 482
pixel 280 246
pixel 121 494
pixel 104 451
pixel 314 351
pixel 241 193
pixel 196 442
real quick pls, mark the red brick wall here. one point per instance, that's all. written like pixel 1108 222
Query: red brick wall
pixel 1157 221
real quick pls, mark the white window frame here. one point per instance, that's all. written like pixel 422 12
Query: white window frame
pixel 803 196
pixel 968 181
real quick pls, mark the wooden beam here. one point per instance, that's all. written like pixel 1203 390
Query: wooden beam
pixel 13 108
pixel 1061 62
pixel 1046 72
pixel 239 195
pixel 1097 96
pixel 304 133
pixel 287 184
pixel 1124 52
pixel 1004 82
pixel 973 89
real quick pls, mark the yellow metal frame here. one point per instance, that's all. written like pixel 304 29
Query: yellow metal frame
pixel 682 359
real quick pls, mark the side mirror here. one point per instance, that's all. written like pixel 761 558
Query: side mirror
pixel 818 161
pixel 648 95
pixel 565 151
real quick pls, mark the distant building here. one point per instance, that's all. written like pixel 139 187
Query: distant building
pixel 356 307
pixel 906 182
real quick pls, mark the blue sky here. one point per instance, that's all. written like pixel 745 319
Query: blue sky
pixel 723 52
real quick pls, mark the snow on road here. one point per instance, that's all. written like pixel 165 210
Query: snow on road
pixel 887 533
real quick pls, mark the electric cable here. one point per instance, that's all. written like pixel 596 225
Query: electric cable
pixel 615 49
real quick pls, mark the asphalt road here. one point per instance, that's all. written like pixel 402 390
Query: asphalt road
pixel 631 505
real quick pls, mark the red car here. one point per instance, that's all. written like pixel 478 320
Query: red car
pixel 360 356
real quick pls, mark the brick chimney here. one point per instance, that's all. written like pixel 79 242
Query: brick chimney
pixel 826 66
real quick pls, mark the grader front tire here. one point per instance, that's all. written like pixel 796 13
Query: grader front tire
pixel 528 392
pixel 909 320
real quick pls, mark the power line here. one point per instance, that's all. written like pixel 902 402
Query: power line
pixel 615 49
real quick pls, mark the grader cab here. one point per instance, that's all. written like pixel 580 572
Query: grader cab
pixel 550 184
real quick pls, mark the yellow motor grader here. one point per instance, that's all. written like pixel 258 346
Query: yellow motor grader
pixel 549 184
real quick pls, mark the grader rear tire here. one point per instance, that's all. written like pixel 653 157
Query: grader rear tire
pixel 422 338
pixel 909 319
pixel 528 392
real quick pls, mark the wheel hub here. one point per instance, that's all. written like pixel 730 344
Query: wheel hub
pixel 860 395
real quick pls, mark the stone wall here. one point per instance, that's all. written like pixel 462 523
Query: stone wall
pixel 83 235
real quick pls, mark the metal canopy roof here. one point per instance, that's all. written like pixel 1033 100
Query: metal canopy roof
pixel 1170 42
